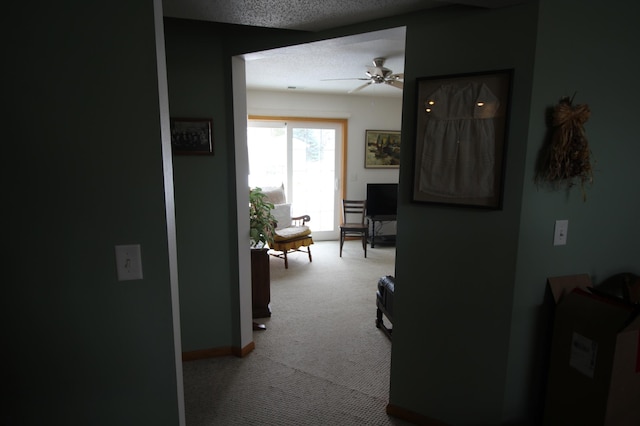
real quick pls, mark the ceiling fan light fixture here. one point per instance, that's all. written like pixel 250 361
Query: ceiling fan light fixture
pixel 378 75
pixel 378 62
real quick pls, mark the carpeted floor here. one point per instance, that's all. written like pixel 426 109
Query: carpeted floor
pixel 321 360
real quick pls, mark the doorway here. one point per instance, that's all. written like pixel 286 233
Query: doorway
pixel 361 111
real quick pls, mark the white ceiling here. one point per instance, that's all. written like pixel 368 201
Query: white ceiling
pixel 303 68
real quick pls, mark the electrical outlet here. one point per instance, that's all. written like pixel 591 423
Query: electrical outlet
pixel 560 233
pixel 128 262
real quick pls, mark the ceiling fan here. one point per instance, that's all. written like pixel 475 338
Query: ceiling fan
pixel 377 74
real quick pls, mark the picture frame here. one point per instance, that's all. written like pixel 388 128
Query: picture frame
pixel 191 136
pixel 461 138
pixel 382 149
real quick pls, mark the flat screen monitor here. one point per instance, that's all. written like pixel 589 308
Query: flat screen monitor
pixel 382 199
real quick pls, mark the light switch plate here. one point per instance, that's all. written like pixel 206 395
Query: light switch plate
pixel 129 262
pixel 560 233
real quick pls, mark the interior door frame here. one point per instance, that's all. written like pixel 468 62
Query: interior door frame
pixel 240 114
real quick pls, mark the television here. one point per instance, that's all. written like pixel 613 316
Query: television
pixel 382 199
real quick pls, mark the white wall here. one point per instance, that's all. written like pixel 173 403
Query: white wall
pixel 363 112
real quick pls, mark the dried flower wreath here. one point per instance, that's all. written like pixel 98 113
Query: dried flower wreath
pixel 568 157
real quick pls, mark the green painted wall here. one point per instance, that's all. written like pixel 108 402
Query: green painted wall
pixel 197 89
pixel 84 173
pixel 455 266
pixel 590 49
pixel 198 66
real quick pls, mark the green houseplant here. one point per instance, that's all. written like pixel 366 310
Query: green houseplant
pixel 261 221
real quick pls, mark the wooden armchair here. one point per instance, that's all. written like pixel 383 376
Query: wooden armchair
pixel 292 233
pixel 296 237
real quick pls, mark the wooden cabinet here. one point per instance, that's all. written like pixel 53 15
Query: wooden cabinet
pixel 260 283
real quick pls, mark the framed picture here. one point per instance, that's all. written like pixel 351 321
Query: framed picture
pixel 461 130
pixel 382 149
pixel 191 136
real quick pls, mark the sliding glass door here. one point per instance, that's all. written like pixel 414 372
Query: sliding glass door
pixel 305 157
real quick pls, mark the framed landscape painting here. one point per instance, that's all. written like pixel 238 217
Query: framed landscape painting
pixel 382 149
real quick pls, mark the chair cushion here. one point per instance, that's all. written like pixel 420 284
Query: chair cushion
pixel 294 244
pixel 274 194
pixel 282 213
pixel 291 232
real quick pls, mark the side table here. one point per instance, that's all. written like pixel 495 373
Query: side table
pixel 260 283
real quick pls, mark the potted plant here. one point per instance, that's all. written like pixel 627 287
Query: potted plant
pixel 261 221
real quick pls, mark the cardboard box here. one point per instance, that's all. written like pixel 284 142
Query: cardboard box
pixel 594 371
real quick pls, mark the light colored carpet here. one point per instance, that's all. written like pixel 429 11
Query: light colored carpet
pixel 321 360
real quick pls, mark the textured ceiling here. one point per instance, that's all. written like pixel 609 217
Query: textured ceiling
pixel 306 15
pixel 303 68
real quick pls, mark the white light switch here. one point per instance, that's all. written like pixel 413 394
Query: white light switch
pixel 560 233
pixel 128 262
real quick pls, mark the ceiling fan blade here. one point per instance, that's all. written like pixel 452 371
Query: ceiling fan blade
pixel 359 87
pixel 395 83
pixel 337 79
pixel 376 75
